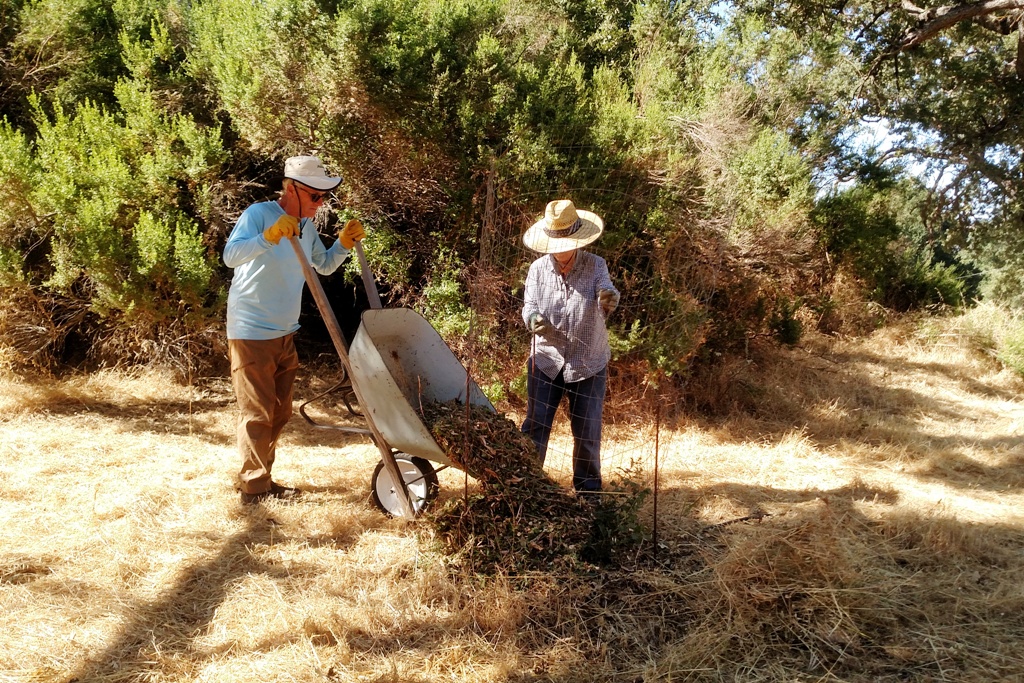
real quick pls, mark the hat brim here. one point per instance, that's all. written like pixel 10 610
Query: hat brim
pixel 591 227
pixel 322 183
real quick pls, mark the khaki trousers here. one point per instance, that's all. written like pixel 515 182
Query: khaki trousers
pixel 263 374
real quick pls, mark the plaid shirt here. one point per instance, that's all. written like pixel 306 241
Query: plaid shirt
pixel 579 344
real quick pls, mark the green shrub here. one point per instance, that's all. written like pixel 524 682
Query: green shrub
pixel 18 217
pixel 1011 348
pixel 618 530
pixel 444 297
pixel 97 196
pixel 772 184
pixel 918 281
pixel 875 228
pixel 112 190
pixel 271 68
pixel 68 50
pixel 783 324
pixel 518 384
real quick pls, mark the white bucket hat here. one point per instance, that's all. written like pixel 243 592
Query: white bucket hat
pixel 310 171
pixel 563 228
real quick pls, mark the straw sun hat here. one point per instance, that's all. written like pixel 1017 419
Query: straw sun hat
pixel 563 228
pixel 310 172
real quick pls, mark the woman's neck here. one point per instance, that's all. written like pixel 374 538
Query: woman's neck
pixel 565 265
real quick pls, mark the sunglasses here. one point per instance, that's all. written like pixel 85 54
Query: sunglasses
pixel 315 196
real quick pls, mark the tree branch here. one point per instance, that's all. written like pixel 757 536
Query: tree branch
pixel 1019 62
pixel 931 22
pixel 970 163
pixel 1005 25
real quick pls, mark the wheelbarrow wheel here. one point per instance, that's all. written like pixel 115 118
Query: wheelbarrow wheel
pixel 420 480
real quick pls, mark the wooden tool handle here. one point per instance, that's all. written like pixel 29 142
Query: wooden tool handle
pixel 342 348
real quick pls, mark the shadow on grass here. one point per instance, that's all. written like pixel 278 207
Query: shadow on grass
pixel 169 624
pixel 189 418
pixel 836 595
pixel 158 638
pixel 754 496
pixel 816 592
pixel 967 384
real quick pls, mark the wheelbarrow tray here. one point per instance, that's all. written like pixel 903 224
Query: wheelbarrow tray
pixel 400 363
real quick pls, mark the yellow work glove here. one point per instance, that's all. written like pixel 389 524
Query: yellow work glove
pixel 351 233
pixel 608 300
pixel 285 226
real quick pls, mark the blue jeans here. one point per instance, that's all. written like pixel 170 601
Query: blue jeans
pixel 586 403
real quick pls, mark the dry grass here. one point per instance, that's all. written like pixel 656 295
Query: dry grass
pixel 865 523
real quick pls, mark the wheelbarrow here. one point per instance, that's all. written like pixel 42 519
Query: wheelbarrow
pixel 397 363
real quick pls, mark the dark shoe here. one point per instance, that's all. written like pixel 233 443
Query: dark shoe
pixel 591 498
pixel 275 491
pixel 284 492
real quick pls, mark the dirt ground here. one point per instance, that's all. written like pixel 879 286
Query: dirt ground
pixel 864 522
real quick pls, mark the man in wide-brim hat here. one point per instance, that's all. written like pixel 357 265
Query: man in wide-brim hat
pixel 568 295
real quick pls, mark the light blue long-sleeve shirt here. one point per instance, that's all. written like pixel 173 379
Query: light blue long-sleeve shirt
pixel 266 291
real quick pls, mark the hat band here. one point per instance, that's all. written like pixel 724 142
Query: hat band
pixel 564 232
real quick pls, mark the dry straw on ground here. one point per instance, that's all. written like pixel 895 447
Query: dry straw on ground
pixel 863 524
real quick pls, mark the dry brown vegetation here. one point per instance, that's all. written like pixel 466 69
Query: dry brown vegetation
pixel 865 522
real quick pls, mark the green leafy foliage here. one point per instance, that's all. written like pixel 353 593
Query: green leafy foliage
pixel 998 250
pixel 1011 351
pixel 270 66
pixel 444 297
pixel 714 140
pixel 18 170
pixel 876 229
pixel 951 103
pixel 69 52
pixel 772 184
pixel 618 530
pixel 784 323
pixel 94 203
pixel 112 190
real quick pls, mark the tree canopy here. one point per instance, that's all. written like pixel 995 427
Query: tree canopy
pixel 945 80
pixel 723 143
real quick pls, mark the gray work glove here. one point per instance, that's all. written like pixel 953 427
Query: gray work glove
pixel 608 299
pixel 538 324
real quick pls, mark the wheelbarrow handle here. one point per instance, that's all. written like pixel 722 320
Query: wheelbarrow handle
pixel 317 289
pixel 320 297
pixel 368 282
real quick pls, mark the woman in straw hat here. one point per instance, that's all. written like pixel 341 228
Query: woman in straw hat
pixel 567 298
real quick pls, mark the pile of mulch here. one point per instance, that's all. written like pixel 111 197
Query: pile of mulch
pixel 521 520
